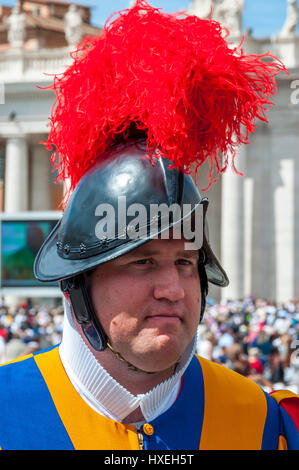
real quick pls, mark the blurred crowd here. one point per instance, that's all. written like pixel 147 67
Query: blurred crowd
pixel 28 329
pixel 253 337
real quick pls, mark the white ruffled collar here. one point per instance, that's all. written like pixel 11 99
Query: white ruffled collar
pixel 101 391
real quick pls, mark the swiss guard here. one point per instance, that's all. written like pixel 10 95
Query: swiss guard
pixel 140 109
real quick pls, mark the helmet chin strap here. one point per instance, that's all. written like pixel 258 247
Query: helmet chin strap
pixel 131 366
pixel 128 364
pixel 83 310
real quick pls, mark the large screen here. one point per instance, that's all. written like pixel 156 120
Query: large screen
pixel 20 242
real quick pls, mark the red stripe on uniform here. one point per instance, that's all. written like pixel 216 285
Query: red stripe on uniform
pixel 291 406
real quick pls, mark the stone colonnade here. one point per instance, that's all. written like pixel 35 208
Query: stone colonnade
pixel 27 175
pixel 256 235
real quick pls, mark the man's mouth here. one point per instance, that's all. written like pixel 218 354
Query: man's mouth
pixel 164 317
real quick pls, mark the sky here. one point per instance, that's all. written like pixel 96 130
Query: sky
pixel 263 17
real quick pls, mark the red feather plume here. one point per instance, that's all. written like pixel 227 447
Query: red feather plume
pixel 173 76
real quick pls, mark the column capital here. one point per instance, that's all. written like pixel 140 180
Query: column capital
pixel 17 136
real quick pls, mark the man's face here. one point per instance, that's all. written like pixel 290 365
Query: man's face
pixel 148 302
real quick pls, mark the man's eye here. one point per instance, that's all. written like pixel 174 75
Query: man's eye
pixel 184 262
pixel 143 261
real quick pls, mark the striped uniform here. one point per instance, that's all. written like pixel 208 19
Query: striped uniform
pixel 216 409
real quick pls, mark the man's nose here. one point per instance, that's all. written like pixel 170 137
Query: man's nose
pixel 168 285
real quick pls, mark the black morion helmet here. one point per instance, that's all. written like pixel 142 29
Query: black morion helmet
pixel 75 247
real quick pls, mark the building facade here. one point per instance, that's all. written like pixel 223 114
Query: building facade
pixel 36 40
pixel 253 219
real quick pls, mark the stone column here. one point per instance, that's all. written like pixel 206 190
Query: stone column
pixel 248 230
pixel 284 210
pixel 284 178
pixel 261 235
pixel 16 174
pixel 1 178
pixel 213 217
pixel 284 205
pixel 232 228
pixel 40 191
pixel 15 185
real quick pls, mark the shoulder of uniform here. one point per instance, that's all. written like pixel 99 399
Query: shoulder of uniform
pixel 216 368
pixel 289 402
pixel 15 361
pixel 14 378
pixel 25 359
pixel 280 395
pixel 225 377
pixel 19 374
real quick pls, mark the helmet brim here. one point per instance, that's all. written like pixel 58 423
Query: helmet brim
pixel 49 266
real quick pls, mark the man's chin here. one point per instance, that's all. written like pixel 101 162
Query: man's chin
pixel 160 357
